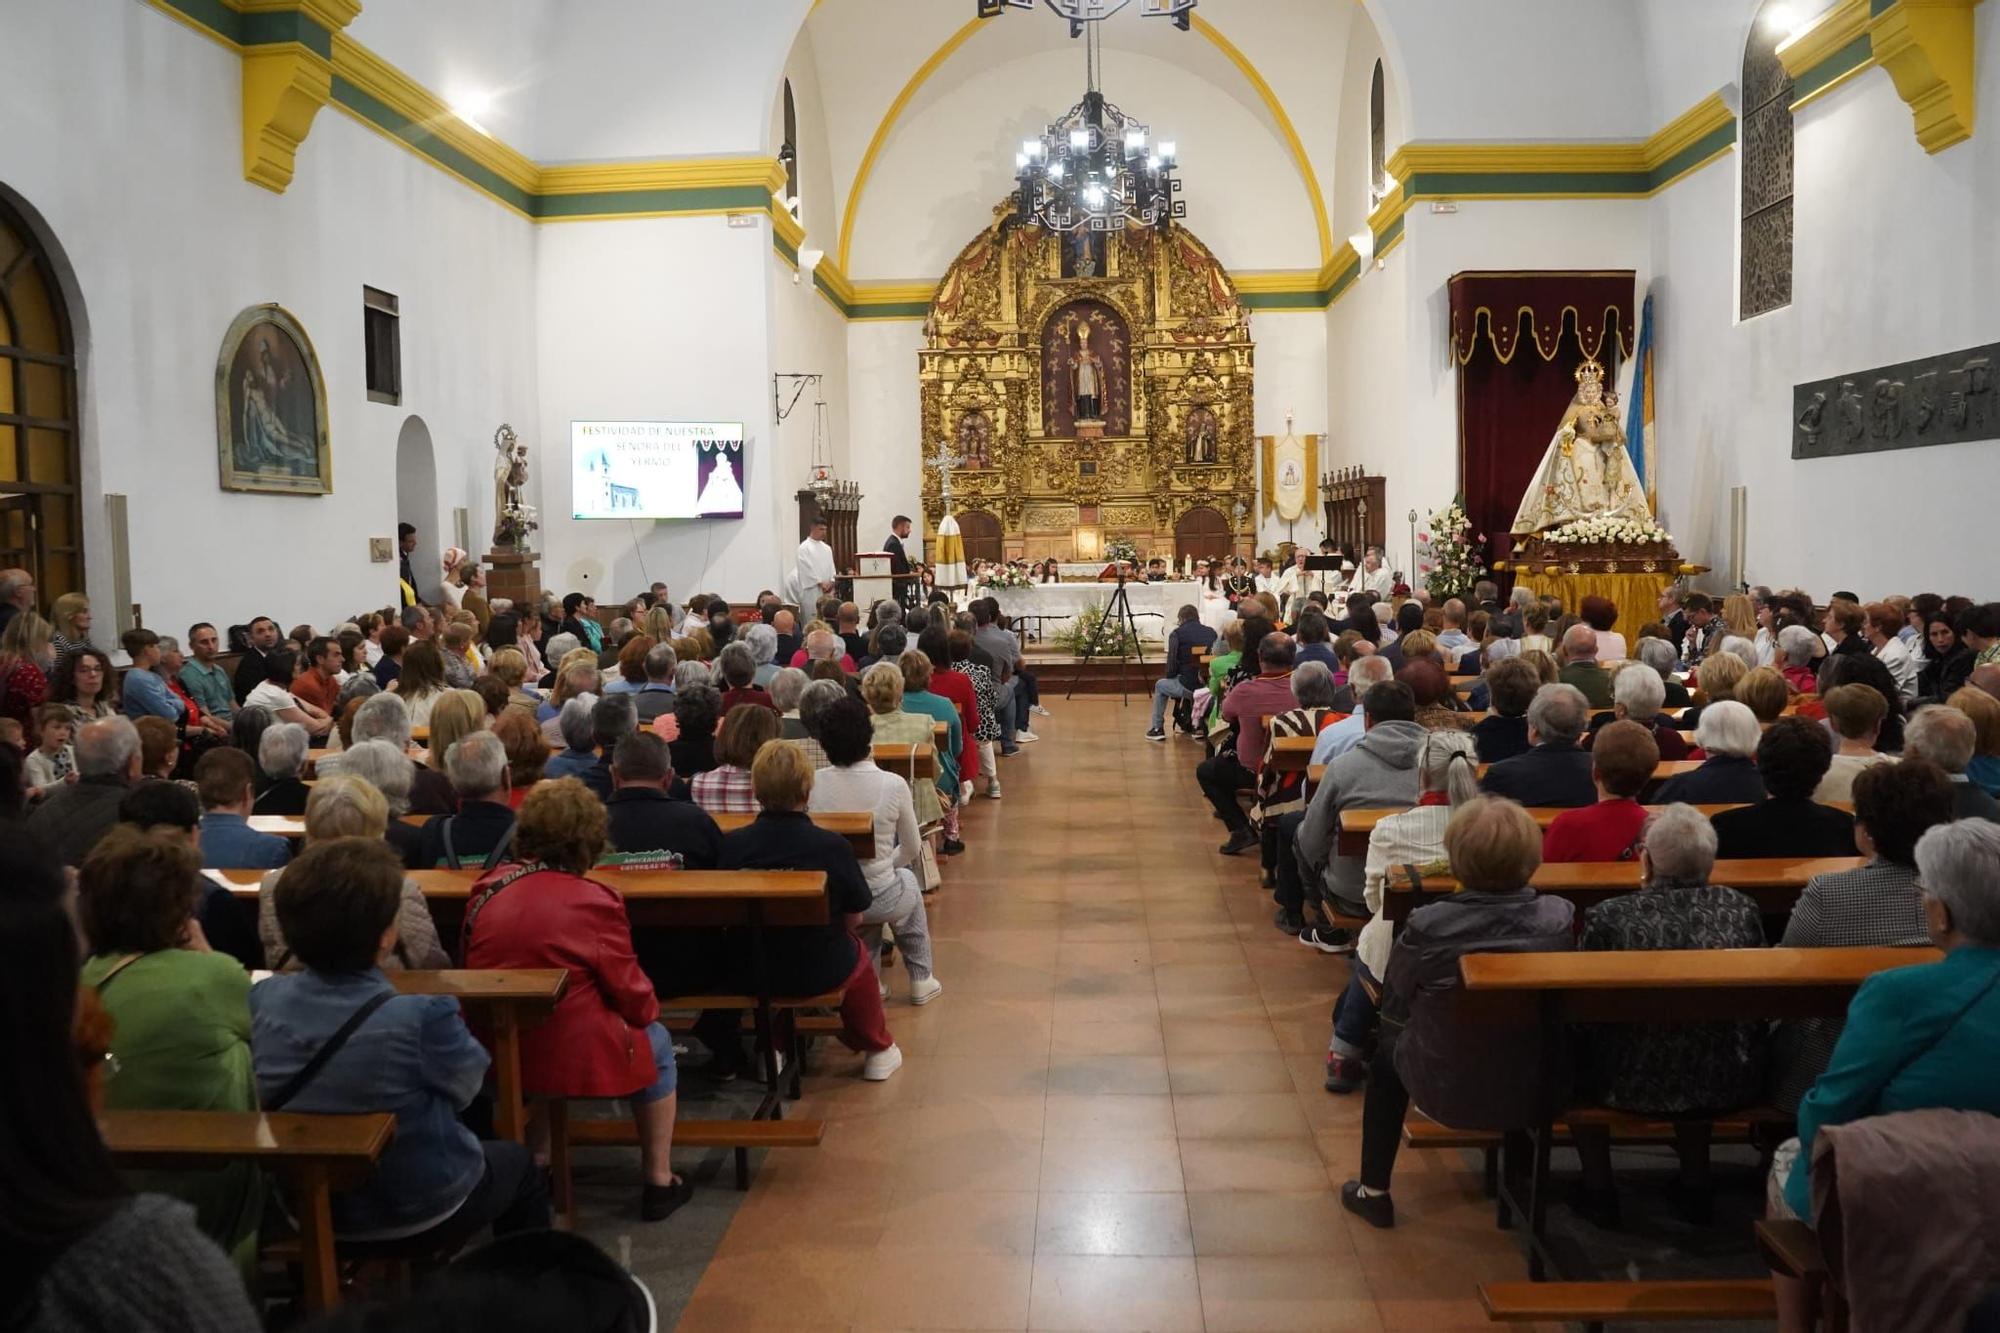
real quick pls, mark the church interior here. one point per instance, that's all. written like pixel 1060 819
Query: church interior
pixel 1453 420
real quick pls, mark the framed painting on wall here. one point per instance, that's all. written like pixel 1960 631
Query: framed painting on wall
pixel 270 407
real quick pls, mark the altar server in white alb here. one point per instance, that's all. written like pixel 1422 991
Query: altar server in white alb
pixel 815 566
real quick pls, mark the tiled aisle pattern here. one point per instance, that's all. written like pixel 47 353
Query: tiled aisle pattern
pixel 1113 1117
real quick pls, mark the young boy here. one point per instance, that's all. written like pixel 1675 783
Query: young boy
pixel 437 1186
pixel 53 761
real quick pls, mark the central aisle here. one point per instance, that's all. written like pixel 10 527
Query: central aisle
pixel 1113 1117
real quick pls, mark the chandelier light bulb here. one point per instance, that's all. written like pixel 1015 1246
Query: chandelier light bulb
pixel 1167 151
pixel 1135 140
pixel 1020 161
pixel 1056 169
pixel 1079 139
pixel 1153 162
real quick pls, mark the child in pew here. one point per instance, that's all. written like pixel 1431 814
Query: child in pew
pixel 182 1014
pixel 337 1039
pixel 605 1038
pixel 83 1251
pixel 1673 1070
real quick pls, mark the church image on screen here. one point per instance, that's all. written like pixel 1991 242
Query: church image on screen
pixel 656 469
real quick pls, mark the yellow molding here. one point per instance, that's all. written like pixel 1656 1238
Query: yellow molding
pixel 1823 36
pixel 893 293
pixel 1926 47
pixel 786 227
pixel 1395 203
pixel 1517 157
pixel 1287 282
pixel 284 86
pixel 1687 129
pixel 333 15
pixel 670 174
pixel 404 95
pixel 1291 136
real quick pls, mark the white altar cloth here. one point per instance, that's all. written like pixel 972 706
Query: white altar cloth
pixel 1155 606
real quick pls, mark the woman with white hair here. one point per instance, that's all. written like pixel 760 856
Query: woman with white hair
pixel 788 687
pixel 1916 1037
pixel 1637 695
pixel 1677 1070
pixel 1447 777
pixel 692 672
pixel 1799 648
pixel 1727 736
pixel 281 754
pixel 762 641
pixel 579 738
pixel 346 806
pixel 386 768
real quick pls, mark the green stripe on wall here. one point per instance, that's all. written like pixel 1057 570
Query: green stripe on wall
pixel 1566 184
pixel 1841 63
pixel 217 17
pixel 1721 137
pixel 1284 300
pixel 1877 8
pixel 394 123
pixel 274 29
pixel 695 199
pixel 846 310
pixel 890 310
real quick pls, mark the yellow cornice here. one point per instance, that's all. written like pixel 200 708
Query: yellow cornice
pixel 1687 129
pixel 1824 36
pixel 672 174
pixel 333 15
pixel 1395 203
pixel 1927 46
pixel 892 293
pixel 400 93
pixel 1413 158
pixel 786 227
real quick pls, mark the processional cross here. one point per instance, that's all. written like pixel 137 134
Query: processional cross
pixel 944 461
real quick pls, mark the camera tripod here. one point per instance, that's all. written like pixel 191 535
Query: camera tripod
pixel 1119 607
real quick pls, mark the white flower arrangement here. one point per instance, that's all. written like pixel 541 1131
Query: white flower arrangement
pixel 1008 576
pixel 1449 554
pixel 1604 530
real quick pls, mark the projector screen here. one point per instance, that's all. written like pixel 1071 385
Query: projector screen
pixel 656 469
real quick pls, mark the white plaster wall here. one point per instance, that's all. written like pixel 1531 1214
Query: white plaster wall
pixel 128 145
pixel 1367 411
pixel 662 319
pixel 1894 260
pixel 885 423
pixel 943 169
pixel 1349 205
pixel 1291 377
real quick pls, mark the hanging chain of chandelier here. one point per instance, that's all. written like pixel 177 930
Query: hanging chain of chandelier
pixel 1096 169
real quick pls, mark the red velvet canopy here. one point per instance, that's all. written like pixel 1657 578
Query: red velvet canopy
pixel 1508 405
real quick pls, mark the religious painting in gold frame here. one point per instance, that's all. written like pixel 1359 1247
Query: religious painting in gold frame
pixel 270 407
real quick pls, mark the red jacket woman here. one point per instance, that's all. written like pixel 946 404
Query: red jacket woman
pixel 604 1038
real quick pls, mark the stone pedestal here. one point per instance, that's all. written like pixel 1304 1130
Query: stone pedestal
pixel 1090 430
pixel 513 575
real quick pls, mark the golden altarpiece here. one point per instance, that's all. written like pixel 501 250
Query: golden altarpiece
pixel 1153 443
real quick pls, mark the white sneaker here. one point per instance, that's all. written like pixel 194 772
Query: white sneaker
pixel 1037 708
pixel 880 1064
pixel 1025 736
pixel 885 989
pixel 992 791
pixel 923 992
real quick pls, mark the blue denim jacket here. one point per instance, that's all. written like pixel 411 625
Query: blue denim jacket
pixel 414 1056
pixel 229 843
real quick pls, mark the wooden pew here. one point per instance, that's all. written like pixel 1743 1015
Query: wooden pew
pixel 1773 882
pixel 1357 825
pixel 857 826
pixel 907 761
pixel 505 1002
pixel 1558 990
pixel 313 1154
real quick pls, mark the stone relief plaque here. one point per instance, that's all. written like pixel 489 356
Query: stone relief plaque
pixel 1947 399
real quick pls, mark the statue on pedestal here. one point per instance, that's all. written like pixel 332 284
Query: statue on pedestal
pixel 1087 378
pixel 513 517
pixel 1586 472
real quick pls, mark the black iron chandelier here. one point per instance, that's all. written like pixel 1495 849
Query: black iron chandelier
pixel 1096 169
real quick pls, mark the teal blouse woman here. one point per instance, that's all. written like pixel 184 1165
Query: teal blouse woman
pixel 182 1041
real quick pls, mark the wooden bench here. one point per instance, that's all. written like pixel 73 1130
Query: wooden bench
pixel 907 761
pixel 502 1002
pixel 1772 882
pixel 1357 825
pixel 1593 1304
pixel 1791 1247
pixel 1559 990
pixel 857 826
pixel 312 1154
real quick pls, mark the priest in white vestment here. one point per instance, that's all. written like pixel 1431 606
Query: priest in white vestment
pixel 815 564
pixel 1373 577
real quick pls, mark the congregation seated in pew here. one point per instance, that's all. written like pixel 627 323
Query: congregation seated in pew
pixel 1621 764
pixel 1945 737
pixel 1555 769
pixel 1793 757
pixel 1727 737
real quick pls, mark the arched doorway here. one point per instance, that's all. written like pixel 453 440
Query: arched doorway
pixel 417 504
pixel 980 532
pixel 1201 533
pixel 41 510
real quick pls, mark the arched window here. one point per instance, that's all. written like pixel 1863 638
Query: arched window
pixel 1765 239
pixel 41 518
pixel 788 152
pixel 1378 136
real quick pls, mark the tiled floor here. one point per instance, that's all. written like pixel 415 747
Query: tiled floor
pixel 1112 1118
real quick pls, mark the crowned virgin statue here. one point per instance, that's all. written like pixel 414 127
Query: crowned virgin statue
pixel 1586 473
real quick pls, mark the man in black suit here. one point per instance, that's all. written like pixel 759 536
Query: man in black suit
pixel 899 559
pixel 1672 615
pixel 1555 770
pixel 406 542
pixel 252 667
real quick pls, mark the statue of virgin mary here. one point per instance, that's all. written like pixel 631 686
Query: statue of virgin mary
pixel 1586 472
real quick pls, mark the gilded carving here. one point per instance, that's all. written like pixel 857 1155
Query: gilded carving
pixel 1184 375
